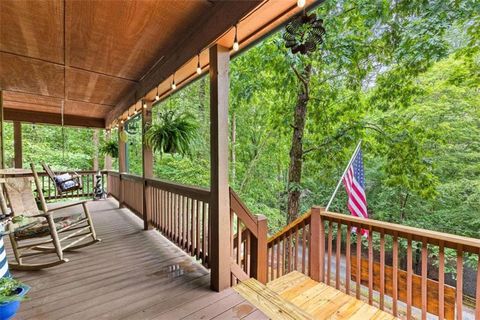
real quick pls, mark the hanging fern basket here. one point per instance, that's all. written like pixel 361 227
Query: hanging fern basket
pixel 173 134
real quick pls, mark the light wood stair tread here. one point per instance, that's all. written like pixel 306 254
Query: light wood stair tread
pixel 268 301
pixel 297 296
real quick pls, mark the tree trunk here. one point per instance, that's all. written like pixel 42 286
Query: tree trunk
pixel 233 142
pixel 296 151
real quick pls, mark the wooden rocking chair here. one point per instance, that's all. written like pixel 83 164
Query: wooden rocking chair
pixel 64 182
pixel 20 201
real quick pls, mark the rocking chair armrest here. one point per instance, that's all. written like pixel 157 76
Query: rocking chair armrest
pixel 68 205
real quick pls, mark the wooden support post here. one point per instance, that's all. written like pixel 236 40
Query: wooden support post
pixel 122 163
pixel 317 245
pixel 108 158
pixel 147 161
pixel 259 252
pixel 17 144
pixel 220 204
pixel 2 135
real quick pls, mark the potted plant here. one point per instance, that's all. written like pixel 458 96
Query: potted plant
pixel 174 133
pixel 11 293
pixel 110 148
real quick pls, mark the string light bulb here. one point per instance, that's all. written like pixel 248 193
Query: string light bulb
pixel 199 68
pixel 236 46
pixel 174 86
pixel 145 105
pixel 157 97
pixel 301 3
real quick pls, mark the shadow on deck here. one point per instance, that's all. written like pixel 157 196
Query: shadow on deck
pixel 131 274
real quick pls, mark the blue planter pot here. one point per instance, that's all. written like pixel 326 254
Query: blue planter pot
pixel 9 309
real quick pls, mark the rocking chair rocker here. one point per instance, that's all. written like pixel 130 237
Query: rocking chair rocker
pixel 21 202
pixel 64 182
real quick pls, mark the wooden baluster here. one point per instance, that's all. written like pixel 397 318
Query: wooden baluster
pixel 296 249
pixel 477 300
pixel 424 278
pixel 382 269
pixel 370 266
pixel 197 233
pixel 170 215
pixel 278 257
pixel 441 280
pixel 284 254
pixel 329 259
pixel 178 216
pixel 348 267
pixel 395 275
pixel 184 222
pixel 205 233
pixel 337 255
pixel 247 252
pixel 459 281
pixel 272 261
pixel 191 226
pixel 304 246
pixel 358 276
pixel 207 238
pixel 239 242
pixel 162 210
pixel 409 276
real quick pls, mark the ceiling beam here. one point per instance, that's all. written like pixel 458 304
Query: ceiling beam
pixel 224 15
pixel 52 118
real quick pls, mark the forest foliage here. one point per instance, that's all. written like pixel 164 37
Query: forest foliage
pixel 403 76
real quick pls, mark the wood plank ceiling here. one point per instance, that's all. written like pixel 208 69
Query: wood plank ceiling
pixel 98 56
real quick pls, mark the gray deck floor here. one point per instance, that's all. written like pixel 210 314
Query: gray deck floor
pixel 131 274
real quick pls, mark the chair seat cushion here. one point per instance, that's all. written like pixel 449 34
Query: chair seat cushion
pixel 40 228
pixel 65 183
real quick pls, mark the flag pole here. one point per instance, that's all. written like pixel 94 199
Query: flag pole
pixel 343 175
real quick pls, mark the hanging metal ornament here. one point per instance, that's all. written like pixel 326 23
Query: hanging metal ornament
pixel 132 125
pixel 304 34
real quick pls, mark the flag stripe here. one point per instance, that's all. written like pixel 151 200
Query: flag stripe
pixel 354 182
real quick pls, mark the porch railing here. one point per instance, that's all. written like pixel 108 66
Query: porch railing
pixel 394 267
pixel 248 245
pixel 182 214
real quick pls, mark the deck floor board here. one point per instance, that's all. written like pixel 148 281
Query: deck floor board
pixel 131 274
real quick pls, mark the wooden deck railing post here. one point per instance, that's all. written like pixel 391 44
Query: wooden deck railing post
pixel 219 221
pixel 108 158
pixel 147 161
pixel 122 163
pixel 259 258
pixel 17 144
pixel 2 134
pixel 317 245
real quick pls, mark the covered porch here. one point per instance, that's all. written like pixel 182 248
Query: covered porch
pixel 172 251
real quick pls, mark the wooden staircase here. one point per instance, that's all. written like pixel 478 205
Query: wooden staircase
pixel 296 296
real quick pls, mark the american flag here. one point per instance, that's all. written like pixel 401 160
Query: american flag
pixel 354 182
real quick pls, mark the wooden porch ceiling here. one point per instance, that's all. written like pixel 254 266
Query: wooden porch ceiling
pixel 103 56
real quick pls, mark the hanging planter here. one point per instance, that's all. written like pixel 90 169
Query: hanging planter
pixel 110 148
pixel 173 134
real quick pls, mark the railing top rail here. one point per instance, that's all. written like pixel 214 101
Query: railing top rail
pixel 243 213
pixel 28 172
pixel 433 237
pixel 290 226
pixel 193 192
pixel 131 177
